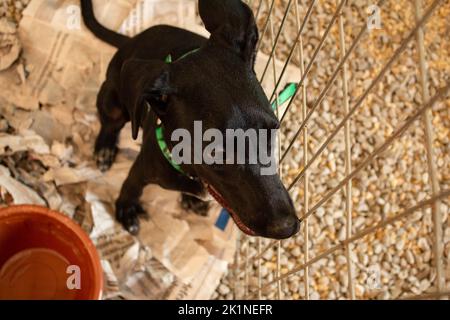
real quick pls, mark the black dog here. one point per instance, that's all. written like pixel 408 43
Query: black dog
pixel 215 84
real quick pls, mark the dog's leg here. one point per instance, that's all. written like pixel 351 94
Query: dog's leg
pixel 128 207
pixel 142 173
pixel 191 203
pixel 112 119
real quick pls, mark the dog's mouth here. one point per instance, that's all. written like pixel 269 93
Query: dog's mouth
pixel 241 225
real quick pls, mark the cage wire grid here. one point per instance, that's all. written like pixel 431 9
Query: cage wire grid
pixel 422 116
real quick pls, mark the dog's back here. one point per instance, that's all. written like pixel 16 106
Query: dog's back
pixel 153 43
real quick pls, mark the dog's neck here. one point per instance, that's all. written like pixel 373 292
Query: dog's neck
pixel 163 146
pixel 165 149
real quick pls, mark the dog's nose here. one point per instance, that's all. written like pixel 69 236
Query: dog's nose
pixel 283 229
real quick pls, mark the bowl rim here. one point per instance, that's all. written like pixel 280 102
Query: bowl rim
pixel 35 210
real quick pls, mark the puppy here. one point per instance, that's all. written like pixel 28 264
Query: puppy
pixel 208 80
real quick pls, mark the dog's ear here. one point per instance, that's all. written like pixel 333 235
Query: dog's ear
pixel 142 82
pixel 232 23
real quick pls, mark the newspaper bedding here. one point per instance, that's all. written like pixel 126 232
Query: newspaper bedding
pixel 47 127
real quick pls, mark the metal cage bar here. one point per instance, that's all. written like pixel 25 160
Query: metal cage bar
pixel 380 149
pixel 423 113
pixel 313 59
pixel 259 270
pixel 324 91
pixel 377 79
pixel 276 40
pixel 348 162
pixel 302 82
pixel 362 234
pixel 247 280
pixel 266 25
pixel 301 57
pixel 236 269
pixel 273 58
pixel 297 38
pixel 436 211
pixel 377 151
pixel 441 93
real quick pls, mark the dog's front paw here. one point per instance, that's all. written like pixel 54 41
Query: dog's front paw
pixel 191 203
pixel 105 158
pixel 128 216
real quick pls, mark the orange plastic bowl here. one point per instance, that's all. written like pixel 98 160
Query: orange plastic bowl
pixel 46 256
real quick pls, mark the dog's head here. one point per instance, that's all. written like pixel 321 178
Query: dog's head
pixel 216 88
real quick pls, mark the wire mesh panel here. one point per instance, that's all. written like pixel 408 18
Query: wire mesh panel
pixel 364 151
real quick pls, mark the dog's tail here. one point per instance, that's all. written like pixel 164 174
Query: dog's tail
pixel 113 38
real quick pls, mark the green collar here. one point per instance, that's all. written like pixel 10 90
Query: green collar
pixel 165 149
pixel 283 97
pixel 160 129
pixel 287 93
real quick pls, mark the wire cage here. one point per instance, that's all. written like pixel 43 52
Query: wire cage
pixel 363 152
